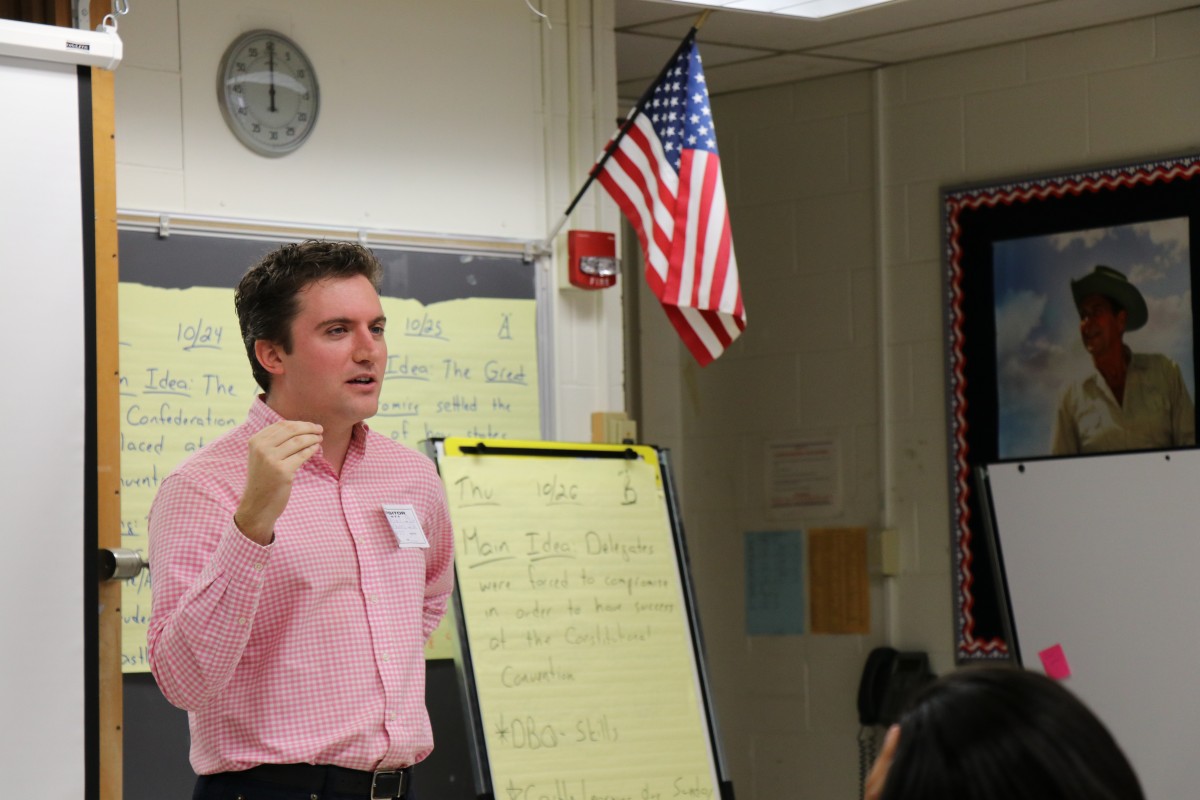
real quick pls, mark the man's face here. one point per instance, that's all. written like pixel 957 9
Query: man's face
pixel 1101 327
pixel 335 369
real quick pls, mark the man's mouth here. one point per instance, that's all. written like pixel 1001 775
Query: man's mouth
pixel 362 380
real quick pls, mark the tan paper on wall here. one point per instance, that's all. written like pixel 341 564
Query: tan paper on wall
pixel 577 625
pixel 466 367
pixel 837 564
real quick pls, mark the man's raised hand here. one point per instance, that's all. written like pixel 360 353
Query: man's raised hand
pixel 275 453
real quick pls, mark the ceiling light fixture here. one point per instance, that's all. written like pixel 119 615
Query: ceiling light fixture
pixel 806 9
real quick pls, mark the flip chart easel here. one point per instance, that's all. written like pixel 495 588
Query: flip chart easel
pixel 580 653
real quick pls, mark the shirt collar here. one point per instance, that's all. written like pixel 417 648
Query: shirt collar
pixel 261 415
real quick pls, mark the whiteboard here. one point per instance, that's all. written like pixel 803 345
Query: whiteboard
pixel 43 414
pixel 1100 556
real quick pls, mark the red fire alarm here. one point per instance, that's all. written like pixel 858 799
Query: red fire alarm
pixel 592 256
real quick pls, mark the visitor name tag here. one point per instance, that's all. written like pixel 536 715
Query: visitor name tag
pixel 406 526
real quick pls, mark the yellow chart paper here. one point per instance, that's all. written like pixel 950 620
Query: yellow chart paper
pixel 462 367
pixel 577 626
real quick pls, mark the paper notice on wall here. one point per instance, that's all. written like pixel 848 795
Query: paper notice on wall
pixel 840 598
pixel 774 583
pixel 803 477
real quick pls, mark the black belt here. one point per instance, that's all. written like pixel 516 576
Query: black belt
pixel 389 784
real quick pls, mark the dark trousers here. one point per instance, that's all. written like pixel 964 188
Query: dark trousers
pixel 236 786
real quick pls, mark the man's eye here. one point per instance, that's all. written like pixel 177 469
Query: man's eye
pixel 337 329
pixel 377 330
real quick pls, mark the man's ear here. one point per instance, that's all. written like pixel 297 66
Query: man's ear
pixel 269 355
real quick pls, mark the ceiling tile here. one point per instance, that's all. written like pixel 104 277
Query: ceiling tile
pixel 638 12
pixel 643 57
pixel 903 31
pixel 991 29
pixel 770 71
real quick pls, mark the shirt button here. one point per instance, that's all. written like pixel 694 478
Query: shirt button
pixel 386 657
pixel 391 717
pixel 241 620
pixel 258 567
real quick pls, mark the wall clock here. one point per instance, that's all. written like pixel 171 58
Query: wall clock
pixel 268 92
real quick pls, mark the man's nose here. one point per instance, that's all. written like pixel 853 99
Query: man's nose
pixel 367 346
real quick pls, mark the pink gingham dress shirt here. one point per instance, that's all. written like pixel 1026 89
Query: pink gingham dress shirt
pixel 309 650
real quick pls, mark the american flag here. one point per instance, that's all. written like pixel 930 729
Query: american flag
pixel 665 175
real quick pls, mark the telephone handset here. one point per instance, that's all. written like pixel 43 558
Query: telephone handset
pixel 889 679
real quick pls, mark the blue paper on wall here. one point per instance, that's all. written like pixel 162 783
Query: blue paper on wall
pixel 774 582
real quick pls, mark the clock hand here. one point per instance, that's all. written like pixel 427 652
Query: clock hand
pixel 271 66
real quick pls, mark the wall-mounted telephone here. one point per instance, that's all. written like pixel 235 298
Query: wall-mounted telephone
pixel 889 679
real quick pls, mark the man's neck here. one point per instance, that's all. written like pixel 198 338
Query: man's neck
pixel 1113 367
pixel 335 450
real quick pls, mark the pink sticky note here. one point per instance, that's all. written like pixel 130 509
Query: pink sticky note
pixel 1054 661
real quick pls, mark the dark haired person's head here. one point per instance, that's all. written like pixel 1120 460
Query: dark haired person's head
pixel 266 298
pixel 995 733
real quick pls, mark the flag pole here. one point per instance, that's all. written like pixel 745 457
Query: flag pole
pixel 547 245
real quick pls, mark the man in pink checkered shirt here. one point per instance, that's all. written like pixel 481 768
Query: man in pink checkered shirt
pixel 301 560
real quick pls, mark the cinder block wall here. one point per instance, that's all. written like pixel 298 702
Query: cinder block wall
pixel 834 194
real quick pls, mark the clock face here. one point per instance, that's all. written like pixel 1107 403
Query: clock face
pixel 268 92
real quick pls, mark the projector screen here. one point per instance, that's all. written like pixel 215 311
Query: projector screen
pixel 46 409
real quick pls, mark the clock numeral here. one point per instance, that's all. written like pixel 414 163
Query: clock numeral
pixel 274 135
pixel 287 55
pixel 306 96
pixel 240 66
pixel 291 131
pixel 252 52
pixel 237 87
pixel 256 128
pixel 241 110
pixel 302 117
pixel 301 73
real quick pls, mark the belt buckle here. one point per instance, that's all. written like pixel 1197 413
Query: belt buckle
pixel 387 784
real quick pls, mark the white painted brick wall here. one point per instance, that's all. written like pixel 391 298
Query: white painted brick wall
pixel 800 165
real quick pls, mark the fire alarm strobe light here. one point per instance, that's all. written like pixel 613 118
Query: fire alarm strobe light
pixel 593 259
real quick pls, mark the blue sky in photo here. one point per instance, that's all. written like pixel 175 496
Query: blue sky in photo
pixel 1038 348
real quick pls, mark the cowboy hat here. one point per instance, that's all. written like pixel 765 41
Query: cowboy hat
pixel 1110 283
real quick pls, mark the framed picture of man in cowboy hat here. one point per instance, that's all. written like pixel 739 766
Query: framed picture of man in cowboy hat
pixel 1094 341
pixel 1070 331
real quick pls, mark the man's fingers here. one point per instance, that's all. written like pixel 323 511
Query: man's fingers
pixel 296 444
pixel 293 461
pixel 279 432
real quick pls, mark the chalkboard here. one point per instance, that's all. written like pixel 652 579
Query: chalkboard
pixel 579 646
pixel 1099 556
pixel 463 358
